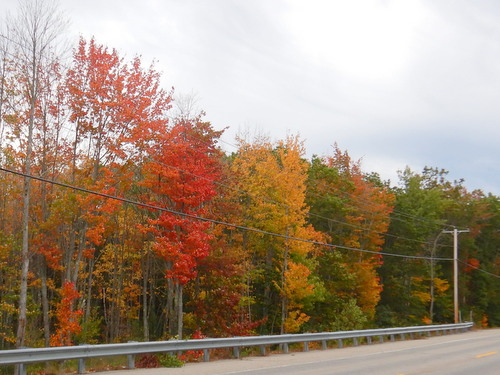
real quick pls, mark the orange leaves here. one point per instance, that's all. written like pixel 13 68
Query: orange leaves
pixel 297 284
pixel 117 108
pixel 52 253
pixel 67 324
pixel 95 234
pixel 368 205
pixel 484 321
pixel 368 287
pixel 426 320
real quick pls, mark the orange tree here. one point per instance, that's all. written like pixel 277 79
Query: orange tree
pixel 115 109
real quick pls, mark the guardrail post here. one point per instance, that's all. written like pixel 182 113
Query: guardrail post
pixel 355 341
pixel 411 336
pixel 403 337
pixel 393 338
pixel 131 360
pixel 285 348
pixel 236 352
pixel 381 339
pixel 368 340
pixel 324 345
pixel 81 364
pixel 21 369
pixel 262 349
pixel 340 344
pixel 206 355
pixel 306 346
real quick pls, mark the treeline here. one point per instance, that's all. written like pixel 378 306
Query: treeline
pixel 121 218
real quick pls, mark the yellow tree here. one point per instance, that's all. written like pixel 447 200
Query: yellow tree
pixel 272 187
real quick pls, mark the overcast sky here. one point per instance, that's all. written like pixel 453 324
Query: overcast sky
pixel 397 83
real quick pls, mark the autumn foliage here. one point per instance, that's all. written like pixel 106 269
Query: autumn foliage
pixel 155 232
pixel 67 324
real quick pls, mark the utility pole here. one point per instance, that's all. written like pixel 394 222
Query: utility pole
pixel 455 267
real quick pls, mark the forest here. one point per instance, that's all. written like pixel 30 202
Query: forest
pixel 122 218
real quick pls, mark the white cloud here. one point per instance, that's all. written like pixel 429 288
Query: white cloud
pixel 367 40
pixel 412 82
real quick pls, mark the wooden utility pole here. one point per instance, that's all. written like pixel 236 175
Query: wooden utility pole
pixel 455 267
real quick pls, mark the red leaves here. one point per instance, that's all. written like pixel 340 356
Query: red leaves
pixel 180 175
pixel 472 264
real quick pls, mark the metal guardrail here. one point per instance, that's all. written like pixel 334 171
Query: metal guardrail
pixel 82 352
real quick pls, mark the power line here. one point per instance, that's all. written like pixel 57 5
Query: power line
pixel 366 230
pixel 344 193
pixel 196 217
pixel 479 269
pixel 287 206
pixel 350 195
pixel 391 217
pixel 363 202
pixel 394 214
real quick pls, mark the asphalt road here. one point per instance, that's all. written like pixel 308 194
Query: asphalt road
pixel 471 353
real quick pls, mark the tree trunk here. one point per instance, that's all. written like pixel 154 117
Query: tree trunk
pixel 170 307
pixel 88 304
pixel 3 68
pixel 284 300
pixel 45 307
pixel 25 258
pixel 34 32
pixel 146 264
pixel 179 310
